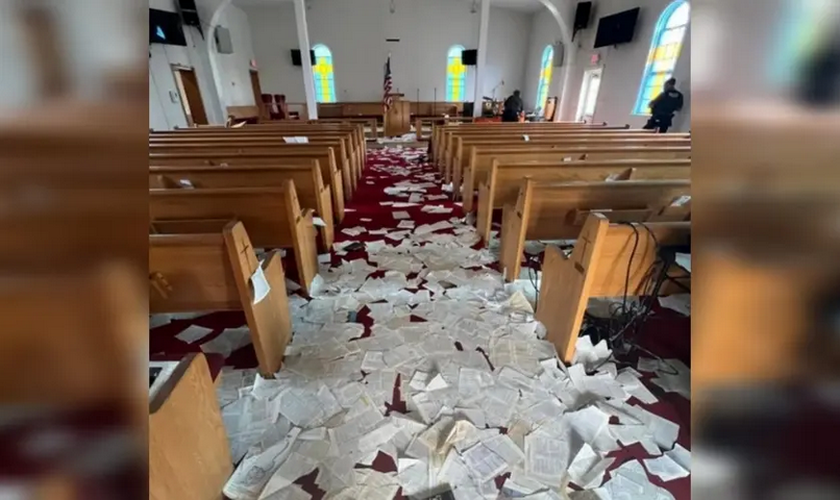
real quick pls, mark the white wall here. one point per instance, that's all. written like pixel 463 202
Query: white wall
pixel 544 30
pixel 273 35
pixel 234 69
pixel 235 89
pixel 622 65
pixel 355 31
pixel 507 43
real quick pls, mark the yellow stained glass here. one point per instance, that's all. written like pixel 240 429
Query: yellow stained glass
pixel 545 77
pixel 456 74
pixel 664 52
pixel 324 75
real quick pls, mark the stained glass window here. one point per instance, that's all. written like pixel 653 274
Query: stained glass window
pixel 664 51
pixel 456 75
pixel 545 77
pixel 323 74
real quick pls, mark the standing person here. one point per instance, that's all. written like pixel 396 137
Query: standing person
pixel 513 108
pixel 662 108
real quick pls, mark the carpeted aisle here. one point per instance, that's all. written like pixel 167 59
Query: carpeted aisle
pixel 666 333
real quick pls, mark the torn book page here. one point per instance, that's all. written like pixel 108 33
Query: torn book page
pixel 193 333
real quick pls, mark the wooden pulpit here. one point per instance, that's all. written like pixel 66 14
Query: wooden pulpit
pixel 398 117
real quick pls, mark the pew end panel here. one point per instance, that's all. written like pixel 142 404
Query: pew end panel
pixel 303 235
pixel 603 263
pixel 515 220
pixel 269 320
pixel 189 455
pixel 565 285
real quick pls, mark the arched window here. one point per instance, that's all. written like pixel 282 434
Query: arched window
pixel 664 51
pixel 323 74
pixel 456 75
pixel 545 77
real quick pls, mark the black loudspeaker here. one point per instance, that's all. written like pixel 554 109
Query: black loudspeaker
pixel 582 16
pixel 469 57
pixel 468 108
pixel 189 12
pixel 297 58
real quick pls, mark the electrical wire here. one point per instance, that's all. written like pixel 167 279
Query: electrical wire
pixel 624 319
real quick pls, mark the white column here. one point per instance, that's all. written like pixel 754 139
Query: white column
pixel 563 111
pixel 482 57
pixel 303 42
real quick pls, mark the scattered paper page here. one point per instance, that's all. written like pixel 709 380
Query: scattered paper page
pixel 317 221
pixel 665 468
pixel 400 215
pixel 680 302
pixel 228 341
pixel 193 333
pixel 483 463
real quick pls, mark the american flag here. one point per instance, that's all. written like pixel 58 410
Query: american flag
pixel 386 85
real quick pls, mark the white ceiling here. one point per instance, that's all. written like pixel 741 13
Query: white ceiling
pixel 518 5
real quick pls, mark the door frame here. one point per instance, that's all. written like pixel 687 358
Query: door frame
pixel 254 76
pixel 186 106
pixel 584 90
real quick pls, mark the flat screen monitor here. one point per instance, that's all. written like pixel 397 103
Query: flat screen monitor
pixel 165 27
pixel 297 59
pixel 617 28
pixel 469 57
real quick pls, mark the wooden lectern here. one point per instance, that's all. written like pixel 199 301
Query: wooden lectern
pixel 398 117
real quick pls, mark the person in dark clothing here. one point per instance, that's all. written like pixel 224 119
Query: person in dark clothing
pixel 662 108
pixel 513 108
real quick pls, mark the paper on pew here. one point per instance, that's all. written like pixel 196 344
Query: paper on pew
pixel 681 200
pixel 259 284
pixel 317 221
pixel 296 140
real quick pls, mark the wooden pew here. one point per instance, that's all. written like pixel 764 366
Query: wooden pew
pixel 352 138
pixel 272 216
pixel 481 159
pixel 356 129
pixel 363 123
pixel 438 130
pixel 502 183
pixel 208 266
pixel 309 185
pixel 325 158
pixel 189 454
pixel 444 142
pixel 552 211
pixel 353 133
pixel 346 167
pixel 463 145
pixel 598 267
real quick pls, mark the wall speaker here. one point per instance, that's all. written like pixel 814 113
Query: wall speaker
pixel 582 15
pixel 223 42
pixel 559 54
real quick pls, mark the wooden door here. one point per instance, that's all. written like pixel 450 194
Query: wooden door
pixel 191 101
pixel 255 86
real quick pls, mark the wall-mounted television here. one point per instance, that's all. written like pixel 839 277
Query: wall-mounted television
pixel 469 57
pixel 617 28
pixel 165 27
pixel 297 60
